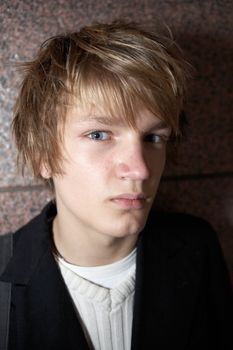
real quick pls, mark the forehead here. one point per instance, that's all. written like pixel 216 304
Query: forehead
pixel 110 97
pixel 81 114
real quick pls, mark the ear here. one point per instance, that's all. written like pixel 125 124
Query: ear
pixel 45 172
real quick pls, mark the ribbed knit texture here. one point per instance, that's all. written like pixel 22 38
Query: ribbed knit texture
pixel 105 314
pixel 108 276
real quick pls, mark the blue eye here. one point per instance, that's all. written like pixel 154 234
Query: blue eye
pixel 99 135
pixel 154 138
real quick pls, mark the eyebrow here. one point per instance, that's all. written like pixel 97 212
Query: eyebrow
pixel 99 119
pixel 161 125
pixel 106 120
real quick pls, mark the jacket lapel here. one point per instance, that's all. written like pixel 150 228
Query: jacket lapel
pixel 166 290
pixel 49 309
pixel 43 313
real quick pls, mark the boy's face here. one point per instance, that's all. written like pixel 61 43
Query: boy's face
pixel 111 172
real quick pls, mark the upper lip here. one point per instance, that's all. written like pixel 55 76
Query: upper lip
pixel 131 196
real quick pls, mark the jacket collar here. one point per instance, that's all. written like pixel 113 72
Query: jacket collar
pixel 31 242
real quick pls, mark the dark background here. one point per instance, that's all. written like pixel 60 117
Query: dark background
pixel 201 180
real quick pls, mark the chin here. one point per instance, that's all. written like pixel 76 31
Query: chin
pixel 129 228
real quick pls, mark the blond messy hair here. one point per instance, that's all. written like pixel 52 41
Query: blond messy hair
pixel 119 65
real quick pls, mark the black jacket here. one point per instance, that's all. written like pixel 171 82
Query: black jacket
pixel 183 296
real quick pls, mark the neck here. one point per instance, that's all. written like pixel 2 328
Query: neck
pixel 87 250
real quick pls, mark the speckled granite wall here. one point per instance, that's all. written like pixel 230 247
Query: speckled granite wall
pixel 201 181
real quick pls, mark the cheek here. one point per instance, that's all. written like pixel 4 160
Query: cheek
pixel 89 172
pixel 157 163
pixel 163 161
pixel 95 163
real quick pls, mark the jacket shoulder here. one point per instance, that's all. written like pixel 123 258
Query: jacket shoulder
pixel 188 228
pixel 38 224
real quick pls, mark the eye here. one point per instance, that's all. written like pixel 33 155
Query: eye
pixel 99 135
pixel 153 138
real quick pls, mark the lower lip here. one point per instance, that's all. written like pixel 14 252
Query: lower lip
pixel 126 203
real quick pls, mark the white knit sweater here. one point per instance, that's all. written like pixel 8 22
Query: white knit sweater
pixel 106 314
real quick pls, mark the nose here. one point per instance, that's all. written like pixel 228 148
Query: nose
pixel 132 163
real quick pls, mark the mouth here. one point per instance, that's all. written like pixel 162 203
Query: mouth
pixel 130 200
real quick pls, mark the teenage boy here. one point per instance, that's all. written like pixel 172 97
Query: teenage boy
pixel 93 118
